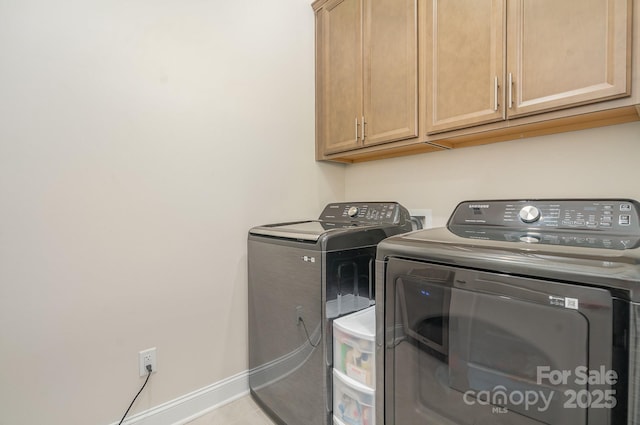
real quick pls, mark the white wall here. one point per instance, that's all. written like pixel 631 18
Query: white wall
pixel 139 141
pixel 603 162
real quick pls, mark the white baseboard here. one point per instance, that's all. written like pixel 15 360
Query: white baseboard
pixel 193 405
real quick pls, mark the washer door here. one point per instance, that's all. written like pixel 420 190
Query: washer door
pixel 474 348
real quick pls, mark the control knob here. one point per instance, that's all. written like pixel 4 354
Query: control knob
pixel 353 211
pixel 529 214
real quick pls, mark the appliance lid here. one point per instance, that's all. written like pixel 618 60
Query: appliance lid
pixel 593 266
pixel 591 241
pixel 310 230
pixel 339 216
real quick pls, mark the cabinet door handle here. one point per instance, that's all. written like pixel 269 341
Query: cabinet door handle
pixel 364 128
pixel 510 90
pixel 495 93
pixel 357 137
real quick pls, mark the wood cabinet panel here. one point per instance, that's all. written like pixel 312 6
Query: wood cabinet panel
pixel 559 53
pixel 565 53
pixel 341 67
pixel 390 70
pixel 465 73
pixel 367 73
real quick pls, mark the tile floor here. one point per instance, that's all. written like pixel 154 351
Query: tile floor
pixel 243 411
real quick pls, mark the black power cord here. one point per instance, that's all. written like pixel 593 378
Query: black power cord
pixel 301 320
pixel 134 399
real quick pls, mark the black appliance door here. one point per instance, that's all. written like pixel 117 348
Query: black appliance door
pixel 466 347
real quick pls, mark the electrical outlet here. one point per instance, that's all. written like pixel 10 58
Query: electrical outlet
pixel 424 215
pixel 147 357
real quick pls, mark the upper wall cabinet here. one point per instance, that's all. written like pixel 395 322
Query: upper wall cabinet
pixel 366 73
pixel 558 54
pixel 465 44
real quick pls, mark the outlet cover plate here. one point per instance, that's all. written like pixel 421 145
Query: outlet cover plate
pixel 146 357
pixel 424 215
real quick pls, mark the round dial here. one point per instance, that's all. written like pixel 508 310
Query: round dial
pixel 353 211
pixel 529 214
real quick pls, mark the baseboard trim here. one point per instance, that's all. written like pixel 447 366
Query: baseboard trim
pixel 193 405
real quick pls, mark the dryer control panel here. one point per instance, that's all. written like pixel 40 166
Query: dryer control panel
pixel 604 223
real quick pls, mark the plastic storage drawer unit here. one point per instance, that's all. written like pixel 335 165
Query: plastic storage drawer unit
pixel 353 403
pixel 354 346
pixel 337 421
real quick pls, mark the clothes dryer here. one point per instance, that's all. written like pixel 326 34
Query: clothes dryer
pixel 519 312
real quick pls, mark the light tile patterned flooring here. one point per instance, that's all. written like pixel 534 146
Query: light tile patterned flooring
pixel 243 411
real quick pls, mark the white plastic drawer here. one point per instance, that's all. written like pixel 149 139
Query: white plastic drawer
pixel 354 346
pixel 337 421
pixel 353 403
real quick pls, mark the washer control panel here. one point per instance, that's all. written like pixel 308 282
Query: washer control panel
pixel 365 212
pixel 593 222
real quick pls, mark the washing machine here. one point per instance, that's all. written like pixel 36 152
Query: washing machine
pixel 302 275
pixel 518 312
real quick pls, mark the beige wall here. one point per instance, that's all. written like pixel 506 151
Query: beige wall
pixel 603 162
pixel 139 141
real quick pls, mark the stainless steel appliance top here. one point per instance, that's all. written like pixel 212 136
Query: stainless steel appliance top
pixel 593 241
pixel 336 217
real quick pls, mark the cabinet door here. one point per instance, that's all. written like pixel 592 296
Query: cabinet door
pixel 465 63
pixel 567 52
pixel 340 74
pixel 390 70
